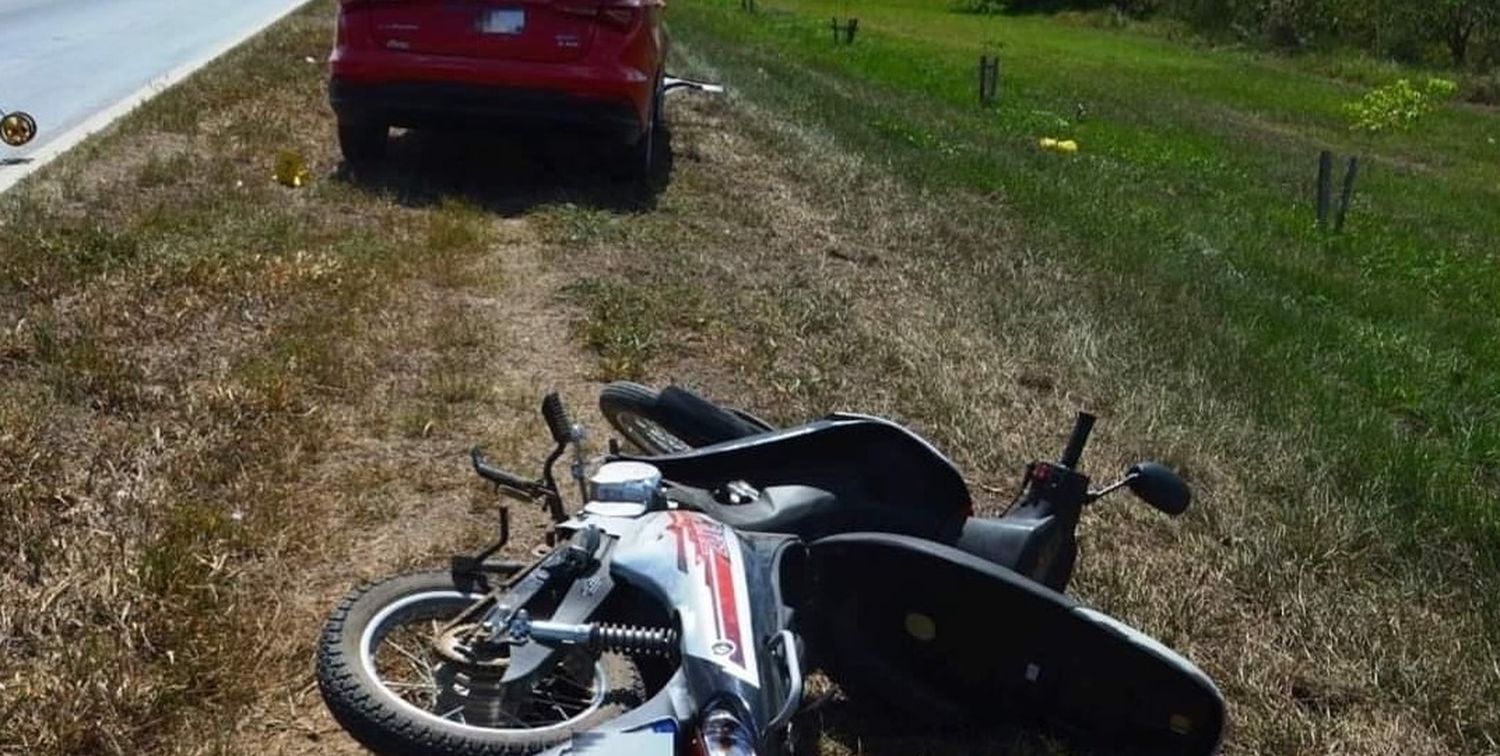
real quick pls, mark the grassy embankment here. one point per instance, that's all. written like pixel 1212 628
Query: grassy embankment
pixel 222 396
pixel 905 251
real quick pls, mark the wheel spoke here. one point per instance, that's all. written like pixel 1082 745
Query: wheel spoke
pixel 395 685
pixel 575 683
pixel 421 666
pixel 514 718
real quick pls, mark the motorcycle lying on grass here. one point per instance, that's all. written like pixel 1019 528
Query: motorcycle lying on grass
pixel 677 609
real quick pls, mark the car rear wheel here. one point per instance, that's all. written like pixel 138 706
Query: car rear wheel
pixel 362 140
pixel 643 159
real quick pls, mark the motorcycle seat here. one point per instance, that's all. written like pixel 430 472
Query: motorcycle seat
pixel 798 510
pixel 842 471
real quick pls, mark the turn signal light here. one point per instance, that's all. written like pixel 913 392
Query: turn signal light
pixel 723 734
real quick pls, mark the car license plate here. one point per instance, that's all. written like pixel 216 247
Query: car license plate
pixel 502 21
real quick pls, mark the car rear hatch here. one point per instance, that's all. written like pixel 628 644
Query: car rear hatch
pixel 540 31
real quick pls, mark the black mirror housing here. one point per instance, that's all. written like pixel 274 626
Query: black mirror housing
pixel 1157 485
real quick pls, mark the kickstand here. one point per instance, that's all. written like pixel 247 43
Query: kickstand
pixel 469 569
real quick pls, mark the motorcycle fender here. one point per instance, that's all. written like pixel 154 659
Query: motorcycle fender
pixel 644 743
pixel 954 638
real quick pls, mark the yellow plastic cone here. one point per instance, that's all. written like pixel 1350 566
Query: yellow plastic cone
pixel 291 169
pixel 1063 146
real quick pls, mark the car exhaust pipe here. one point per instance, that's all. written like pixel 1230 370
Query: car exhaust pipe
pixel 670 83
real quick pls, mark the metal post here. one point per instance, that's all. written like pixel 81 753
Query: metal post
pixel 984 65
pixel 1325 186
pixel 989 79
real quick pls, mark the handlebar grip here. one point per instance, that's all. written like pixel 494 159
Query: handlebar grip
pixel 557 418
pixel 1074 451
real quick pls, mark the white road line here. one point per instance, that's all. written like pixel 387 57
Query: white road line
pixel 12 174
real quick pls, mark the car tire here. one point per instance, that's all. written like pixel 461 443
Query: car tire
pixel 362 140
pixel 643 159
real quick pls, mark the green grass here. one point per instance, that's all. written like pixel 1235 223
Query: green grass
pixel 1190 208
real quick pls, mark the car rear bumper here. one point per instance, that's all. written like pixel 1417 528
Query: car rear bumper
pixel 429 103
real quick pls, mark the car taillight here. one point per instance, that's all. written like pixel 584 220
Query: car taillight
pixel 621 17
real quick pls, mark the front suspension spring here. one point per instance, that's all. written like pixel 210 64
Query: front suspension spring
pixel 625 639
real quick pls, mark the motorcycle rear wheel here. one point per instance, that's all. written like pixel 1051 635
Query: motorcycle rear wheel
pixel 392 699
pixel 658 427
pixel 634 411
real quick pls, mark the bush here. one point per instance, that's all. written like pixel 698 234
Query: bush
pixel 1397 106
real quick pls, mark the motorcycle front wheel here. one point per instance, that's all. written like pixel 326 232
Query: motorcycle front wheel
pixel 384 681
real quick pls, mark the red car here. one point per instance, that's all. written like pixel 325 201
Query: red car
pixel 592 65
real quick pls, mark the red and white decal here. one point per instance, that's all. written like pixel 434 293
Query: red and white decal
pixel 708 553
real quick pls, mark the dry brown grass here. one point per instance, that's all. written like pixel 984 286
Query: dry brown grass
pixel 225 400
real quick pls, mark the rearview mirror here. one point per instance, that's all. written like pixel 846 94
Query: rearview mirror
pixel 1158 486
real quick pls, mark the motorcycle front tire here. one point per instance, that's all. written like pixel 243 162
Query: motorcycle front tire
pixel 387 724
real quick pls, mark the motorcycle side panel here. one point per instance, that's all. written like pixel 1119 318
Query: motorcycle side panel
pixel 696 565
pixel 725 589
pixel 952 637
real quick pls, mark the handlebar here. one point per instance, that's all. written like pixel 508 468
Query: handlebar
pixel 527 488
pixel 557 418
pixel 1074 451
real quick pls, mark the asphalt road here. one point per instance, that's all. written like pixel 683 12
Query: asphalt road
pixel 76 65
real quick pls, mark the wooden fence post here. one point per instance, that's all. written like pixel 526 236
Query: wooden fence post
pixel 984 67
pixel 1325 186
pixel 989 79
pixel 844 32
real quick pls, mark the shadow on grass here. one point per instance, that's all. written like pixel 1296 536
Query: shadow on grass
pixel 872 730
pixel 508 173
